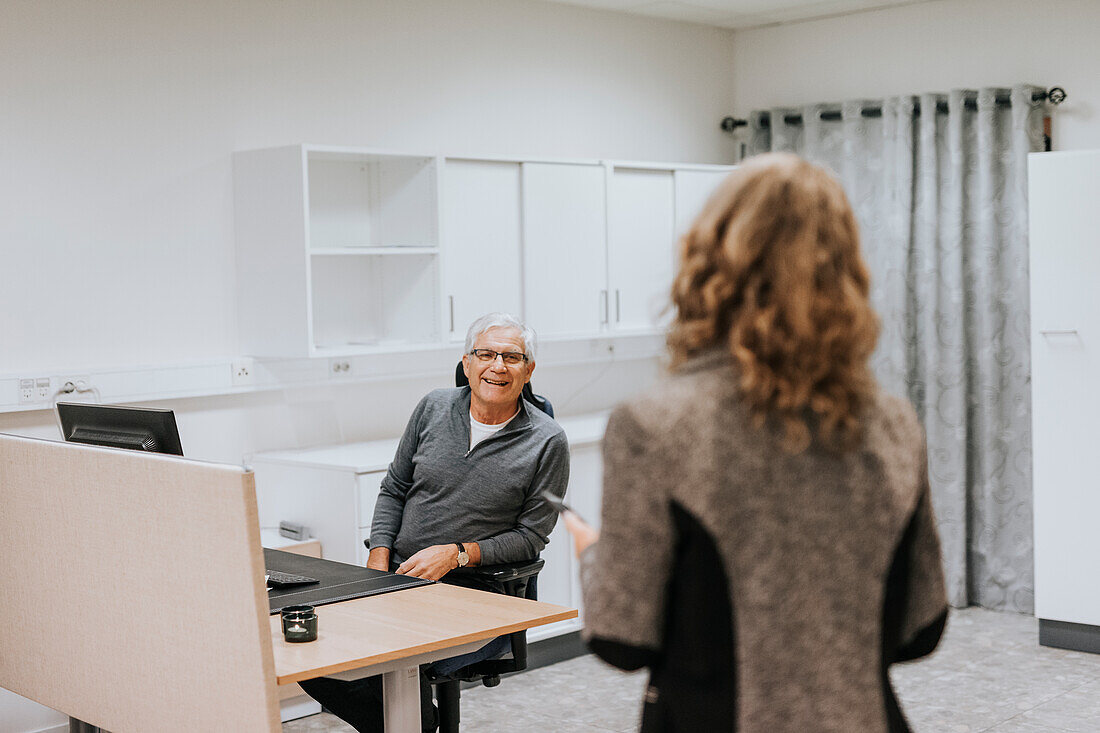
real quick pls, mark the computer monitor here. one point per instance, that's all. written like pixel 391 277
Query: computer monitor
pixel 120 426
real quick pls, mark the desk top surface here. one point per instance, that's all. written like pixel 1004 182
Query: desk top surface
pixel 393 626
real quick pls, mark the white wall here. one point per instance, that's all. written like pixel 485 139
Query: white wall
pixel 929 47
pixel 119 118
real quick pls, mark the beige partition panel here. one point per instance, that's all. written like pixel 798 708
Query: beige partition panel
pixel 132 591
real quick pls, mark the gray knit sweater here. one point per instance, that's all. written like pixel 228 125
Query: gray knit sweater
pixel 767 592
pixel 438 491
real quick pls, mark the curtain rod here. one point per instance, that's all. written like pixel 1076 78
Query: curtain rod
pixel 1055 95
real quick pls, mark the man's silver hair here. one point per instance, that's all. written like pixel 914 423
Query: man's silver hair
pixel 503 320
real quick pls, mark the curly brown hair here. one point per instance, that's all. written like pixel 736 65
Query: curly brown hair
pixel 771 269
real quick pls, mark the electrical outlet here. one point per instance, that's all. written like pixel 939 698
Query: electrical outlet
pixel 42 390
pixel 242 372
pixel 26 391
pixel 340 367
pixel 70 385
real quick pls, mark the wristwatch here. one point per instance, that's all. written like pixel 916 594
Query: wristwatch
pixel 463 556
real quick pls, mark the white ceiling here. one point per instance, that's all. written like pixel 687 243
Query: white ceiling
pixel 739 13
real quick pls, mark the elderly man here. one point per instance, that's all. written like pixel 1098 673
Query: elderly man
pixel 464 488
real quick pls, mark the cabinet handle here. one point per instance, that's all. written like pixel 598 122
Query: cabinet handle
pixel 618 307
pixel 603 307
pixel 1066 332
pixel 451 303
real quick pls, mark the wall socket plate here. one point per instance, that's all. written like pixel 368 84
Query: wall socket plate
pixel 244 371
pixel 26 391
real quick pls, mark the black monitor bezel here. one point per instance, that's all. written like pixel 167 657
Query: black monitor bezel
pixel 160 422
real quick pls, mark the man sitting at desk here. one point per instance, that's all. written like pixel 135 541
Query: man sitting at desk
pixel 463 489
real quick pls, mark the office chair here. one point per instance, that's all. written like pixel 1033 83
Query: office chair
pixel 518 579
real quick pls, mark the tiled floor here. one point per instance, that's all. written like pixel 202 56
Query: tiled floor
pixel 989 674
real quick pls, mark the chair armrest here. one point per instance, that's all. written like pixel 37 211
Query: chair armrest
pixel 503 572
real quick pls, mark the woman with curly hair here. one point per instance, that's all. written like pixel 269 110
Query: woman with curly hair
pixel 768 546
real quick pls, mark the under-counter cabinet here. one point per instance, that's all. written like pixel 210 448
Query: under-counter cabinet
pixel 332 490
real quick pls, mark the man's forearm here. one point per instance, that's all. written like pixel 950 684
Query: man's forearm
pixel 379 558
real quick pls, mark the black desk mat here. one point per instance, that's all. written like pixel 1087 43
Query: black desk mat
pixel 339 581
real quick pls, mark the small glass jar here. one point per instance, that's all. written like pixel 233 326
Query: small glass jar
pixel 299 623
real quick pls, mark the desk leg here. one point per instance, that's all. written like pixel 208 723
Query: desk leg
pixel 401 696
pixel 79 726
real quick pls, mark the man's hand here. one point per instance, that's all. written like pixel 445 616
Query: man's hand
pixel 379 559
pixel 432 562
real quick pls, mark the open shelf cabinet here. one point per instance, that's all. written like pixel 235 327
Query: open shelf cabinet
pixel 337 250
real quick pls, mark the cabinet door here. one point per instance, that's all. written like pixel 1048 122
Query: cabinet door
pixel 559 581
pixel 481 241
pixel 585 495
pixel 565 248
pixel 367 485
pixel 641 247
pixel 693 188
pixel 1065 359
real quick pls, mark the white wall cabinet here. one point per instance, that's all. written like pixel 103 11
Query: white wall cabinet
pixel 641 247
pixel 481 241
pixel 337 250
pixel 1065 359
pixel 345 251
pixel 692 189
pixel 564 248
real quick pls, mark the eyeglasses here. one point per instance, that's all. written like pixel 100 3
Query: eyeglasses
pixel 509 357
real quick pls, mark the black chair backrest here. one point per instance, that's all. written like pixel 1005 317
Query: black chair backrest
pixel 528 394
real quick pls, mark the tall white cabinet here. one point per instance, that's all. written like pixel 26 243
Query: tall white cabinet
pixel 1064 189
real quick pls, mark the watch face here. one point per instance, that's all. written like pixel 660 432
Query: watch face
pixel 463 558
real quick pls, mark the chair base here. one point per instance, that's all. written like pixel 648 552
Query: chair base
pixel 447 698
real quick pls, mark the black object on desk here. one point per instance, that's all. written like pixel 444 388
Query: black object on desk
pixel 338 581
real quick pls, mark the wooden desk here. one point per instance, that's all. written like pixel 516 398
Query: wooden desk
pixel 393 633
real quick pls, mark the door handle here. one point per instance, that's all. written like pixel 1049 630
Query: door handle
pixel 603 308
pixel 618 307
pixel 451 302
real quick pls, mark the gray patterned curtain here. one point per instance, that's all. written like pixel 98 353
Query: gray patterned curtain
pixel 942 204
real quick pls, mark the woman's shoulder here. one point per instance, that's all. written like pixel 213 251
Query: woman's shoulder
pixel 682 393
pixel 893 416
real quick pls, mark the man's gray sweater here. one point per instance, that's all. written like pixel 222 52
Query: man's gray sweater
pixel 438 491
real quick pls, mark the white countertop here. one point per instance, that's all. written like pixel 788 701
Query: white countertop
pixel 375 455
